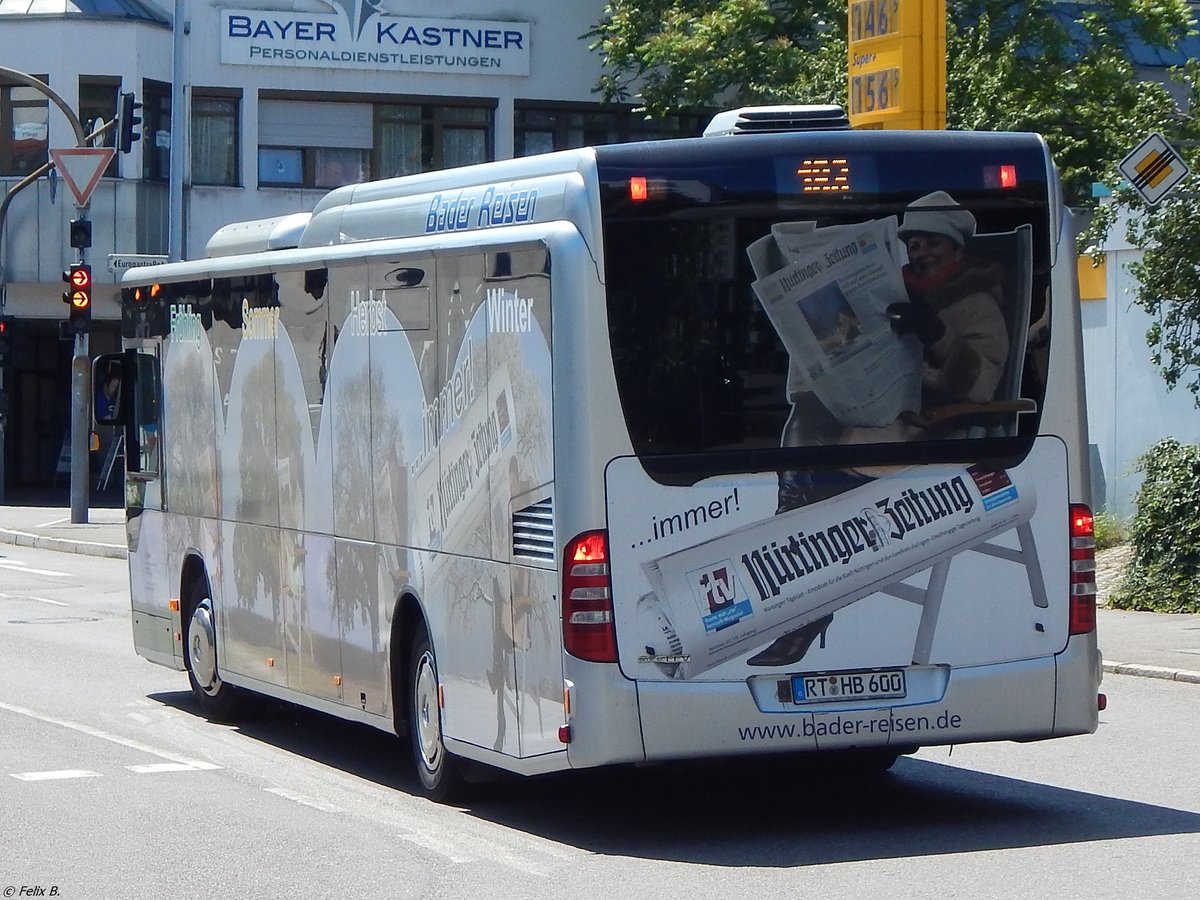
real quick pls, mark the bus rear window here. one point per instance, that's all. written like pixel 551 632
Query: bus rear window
pixel 753 318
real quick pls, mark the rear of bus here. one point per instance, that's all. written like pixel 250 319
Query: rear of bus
pixel 852 513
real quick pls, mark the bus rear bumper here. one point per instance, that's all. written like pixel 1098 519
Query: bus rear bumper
pixel 1024 700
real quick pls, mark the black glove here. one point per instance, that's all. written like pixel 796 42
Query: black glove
pixel 917 318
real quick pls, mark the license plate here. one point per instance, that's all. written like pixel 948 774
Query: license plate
pixel 825 687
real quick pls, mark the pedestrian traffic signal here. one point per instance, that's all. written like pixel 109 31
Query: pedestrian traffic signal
pixel 81 234
pixel 79 296
pixel 128 122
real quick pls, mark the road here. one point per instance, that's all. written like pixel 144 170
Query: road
pixel 112 785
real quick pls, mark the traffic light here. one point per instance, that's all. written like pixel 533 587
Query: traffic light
pixel 79 296
pixel 127 122
pixel 81 234
pixel 5 339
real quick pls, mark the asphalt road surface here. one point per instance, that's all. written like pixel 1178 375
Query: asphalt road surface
pixel 113 785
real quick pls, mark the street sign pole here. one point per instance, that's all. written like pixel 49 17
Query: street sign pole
pixel 81 168
pixel 81 408
pixel 81 405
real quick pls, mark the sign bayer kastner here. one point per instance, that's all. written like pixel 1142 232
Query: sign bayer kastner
pixel 120 263
pixel 1154 168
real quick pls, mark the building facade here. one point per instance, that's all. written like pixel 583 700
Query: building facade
pixel 287 99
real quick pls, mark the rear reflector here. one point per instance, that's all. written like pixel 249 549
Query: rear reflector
pixel 587 599
pixel 1083 571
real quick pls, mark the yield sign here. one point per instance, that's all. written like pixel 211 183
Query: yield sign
pixel 81 168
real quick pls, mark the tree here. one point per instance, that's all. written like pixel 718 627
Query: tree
pixel 1061 69
pixel 1168 272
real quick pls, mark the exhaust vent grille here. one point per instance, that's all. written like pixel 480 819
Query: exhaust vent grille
pixel 533 531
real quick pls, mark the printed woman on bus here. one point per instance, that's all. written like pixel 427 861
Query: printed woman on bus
pixel 954 310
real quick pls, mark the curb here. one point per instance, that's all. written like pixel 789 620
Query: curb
pixel 1159 672
pixel 63 545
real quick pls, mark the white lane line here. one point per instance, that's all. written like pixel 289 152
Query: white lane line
pixel 21 567
pixel 105 736
pixel 305 801
pixel 52 522
pixel 154 768
pixel 54 776
pixel 37 599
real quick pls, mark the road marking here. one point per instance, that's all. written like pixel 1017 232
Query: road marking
pixel 105 736
pixel 305 801
pixel 37 599
pixel 21 567
pixel 154 768
pixel 53 776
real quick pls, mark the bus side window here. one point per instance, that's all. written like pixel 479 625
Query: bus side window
pixel 146 412
pixel 108 382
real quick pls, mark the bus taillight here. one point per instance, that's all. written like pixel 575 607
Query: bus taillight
pixel 587 599
pixel 1083 571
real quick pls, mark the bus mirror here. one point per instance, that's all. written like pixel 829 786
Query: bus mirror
pixel 109 382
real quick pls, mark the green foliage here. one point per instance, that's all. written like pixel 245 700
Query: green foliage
pixel 1164 572
pixel 1011 65
pixel 1168 272
pixel 676 54
pixel 1109 531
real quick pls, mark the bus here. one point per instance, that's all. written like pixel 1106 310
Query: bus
pixel 770 441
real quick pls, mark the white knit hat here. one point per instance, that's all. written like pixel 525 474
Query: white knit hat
pixel 938 213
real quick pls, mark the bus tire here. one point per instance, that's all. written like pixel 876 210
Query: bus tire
pixel 218 701
pixel 437 769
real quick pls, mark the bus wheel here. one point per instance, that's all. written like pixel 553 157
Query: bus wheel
pixel 216 698
pixel 436 768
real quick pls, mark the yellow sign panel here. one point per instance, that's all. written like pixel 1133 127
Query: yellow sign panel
pixel 873 18
pixel 897 63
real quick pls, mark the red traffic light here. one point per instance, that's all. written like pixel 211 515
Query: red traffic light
pixel 79 296
pixel 79 277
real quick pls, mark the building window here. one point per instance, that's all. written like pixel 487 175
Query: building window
pixel 317 167
pixel 413 137
pixel 541 128
pixel 313 143
pixel 325 144
pixel 97 106
pixel 24 129
pixel 156 131
pixel 215 140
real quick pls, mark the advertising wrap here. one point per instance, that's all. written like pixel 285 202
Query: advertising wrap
pixel 726 596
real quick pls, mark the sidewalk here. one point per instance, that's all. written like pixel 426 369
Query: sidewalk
pixel 1154 645
pixel 50 528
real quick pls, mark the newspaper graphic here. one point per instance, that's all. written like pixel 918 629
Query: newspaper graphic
pixel 826 291
pixel 728 596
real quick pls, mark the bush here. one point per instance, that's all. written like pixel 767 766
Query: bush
pixel 1110 531
pixel 1164 570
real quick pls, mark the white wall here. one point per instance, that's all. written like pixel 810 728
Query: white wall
pixel 1129 406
